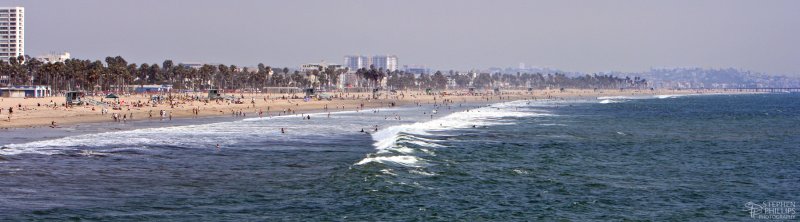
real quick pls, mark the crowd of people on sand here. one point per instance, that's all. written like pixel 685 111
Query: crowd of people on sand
pixel 122 111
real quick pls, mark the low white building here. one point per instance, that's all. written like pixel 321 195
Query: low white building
pixel 309 67
pixel 192 65
pixel 54 57
pixel 26 91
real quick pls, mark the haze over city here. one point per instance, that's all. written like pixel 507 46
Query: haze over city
pixel 584 36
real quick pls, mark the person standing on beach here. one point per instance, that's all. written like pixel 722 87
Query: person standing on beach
pixel 10 112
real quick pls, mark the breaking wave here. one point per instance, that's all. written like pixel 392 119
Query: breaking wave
pixel 619 99
pixel 395 144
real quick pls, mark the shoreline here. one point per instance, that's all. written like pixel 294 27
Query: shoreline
pixel 38 112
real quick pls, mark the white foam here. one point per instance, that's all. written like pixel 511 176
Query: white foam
pixel 388 172
pixel 386 140
pixel 198 136
pixel 607 101
pixel 405 150
pixel 521 171
pixel 423 173
pixel 669 96
pixel 552 124
pixel 622 98
pixel 476 117
pixel 409 161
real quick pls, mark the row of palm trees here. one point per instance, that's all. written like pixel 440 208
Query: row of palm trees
pixel 403 80
pixel 115 73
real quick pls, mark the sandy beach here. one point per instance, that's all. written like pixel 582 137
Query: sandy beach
pixel 44 112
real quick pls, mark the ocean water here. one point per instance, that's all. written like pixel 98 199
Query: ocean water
pixel 679 158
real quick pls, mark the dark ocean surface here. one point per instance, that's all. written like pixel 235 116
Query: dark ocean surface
pixel 674 158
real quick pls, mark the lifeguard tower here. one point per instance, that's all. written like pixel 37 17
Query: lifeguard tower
pixel 75 98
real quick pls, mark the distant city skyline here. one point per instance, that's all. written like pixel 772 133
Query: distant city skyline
pixel 582 36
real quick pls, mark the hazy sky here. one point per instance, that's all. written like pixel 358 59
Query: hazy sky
pixel 588 36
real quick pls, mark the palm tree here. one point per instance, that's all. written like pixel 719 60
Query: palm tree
pixel 144 69
pixel 168 70
pixel 32 67
pixel 206 74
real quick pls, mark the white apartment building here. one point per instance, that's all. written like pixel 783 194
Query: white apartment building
pixel 355 62
pixel 387 62
pixel 12 32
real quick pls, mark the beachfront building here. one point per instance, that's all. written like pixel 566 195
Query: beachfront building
pixel 347 80
pixel 153 88
pixel 5 80
pixel 26 91
pixel 386 62
pixel 192 65
pixel 321 66
pixel 12 32
pixel 416 69
pixel 355 62
pixel 142 88
pixel 54 57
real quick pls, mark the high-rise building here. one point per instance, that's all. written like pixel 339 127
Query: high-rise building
pixel 355 62
pixel 12 32
pixel 387 62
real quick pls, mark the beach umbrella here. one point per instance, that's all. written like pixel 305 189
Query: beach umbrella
pixel 112 96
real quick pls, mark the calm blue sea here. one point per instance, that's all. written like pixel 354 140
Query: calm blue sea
pixel 675 158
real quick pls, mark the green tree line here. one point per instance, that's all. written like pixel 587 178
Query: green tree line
pixel 114 72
